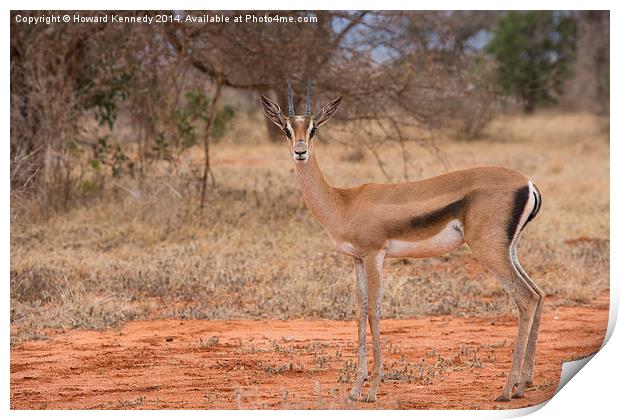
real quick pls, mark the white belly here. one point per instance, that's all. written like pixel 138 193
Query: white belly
pixel 450 238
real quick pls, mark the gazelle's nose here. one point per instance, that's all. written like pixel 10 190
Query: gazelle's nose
pixel 300 152
pixel 300 146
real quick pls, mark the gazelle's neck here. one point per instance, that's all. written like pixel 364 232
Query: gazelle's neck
pixel 321 198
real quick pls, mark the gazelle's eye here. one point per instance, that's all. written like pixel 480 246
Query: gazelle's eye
pixel 312 131
pixel 287 132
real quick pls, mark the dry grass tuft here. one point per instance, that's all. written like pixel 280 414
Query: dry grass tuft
pixel 255 251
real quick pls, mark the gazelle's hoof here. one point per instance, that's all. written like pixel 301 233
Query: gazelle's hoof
pixel 371 398
pixel 502 398
pixel 355 396
pixel 520 393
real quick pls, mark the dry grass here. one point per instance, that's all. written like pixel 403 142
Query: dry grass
pixel 256 252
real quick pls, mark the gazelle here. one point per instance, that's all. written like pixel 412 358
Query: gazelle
pixel 485 207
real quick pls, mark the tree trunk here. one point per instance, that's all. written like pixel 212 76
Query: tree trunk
pixel 206 144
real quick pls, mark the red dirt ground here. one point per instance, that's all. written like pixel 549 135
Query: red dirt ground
pixel 431 363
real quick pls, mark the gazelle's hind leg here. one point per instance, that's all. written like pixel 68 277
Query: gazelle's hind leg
pixel 527 373
pixel 496 255
pixel 492 239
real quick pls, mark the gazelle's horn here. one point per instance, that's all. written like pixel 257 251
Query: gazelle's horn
pixel 291 104
pixel 308 97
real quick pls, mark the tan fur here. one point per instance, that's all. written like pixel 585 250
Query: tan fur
pixel 374 221
pixel 369 215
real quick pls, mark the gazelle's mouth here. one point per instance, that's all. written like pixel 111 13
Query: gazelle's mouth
pixel 300 155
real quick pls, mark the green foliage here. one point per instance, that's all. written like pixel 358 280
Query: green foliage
pixel 197 110
pixel 197 104
pixel 533 51
pixel 183 121
pixel 105 98
pixel 105 153
pixel 91 187
pixel 221 122
pixel 161 148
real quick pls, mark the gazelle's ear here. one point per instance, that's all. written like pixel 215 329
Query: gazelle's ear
pixel 273 111
pixel 327 111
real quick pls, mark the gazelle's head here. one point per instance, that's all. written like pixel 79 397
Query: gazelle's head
pixel 299 129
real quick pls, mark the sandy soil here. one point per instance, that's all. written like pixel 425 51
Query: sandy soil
pixel 431 363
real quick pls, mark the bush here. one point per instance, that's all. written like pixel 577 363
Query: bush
pixel 533 51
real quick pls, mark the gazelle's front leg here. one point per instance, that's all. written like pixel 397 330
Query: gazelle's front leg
pixel 361 306
pixel 373 266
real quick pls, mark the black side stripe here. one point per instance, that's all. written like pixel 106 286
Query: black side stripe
pixel 452 210
pixel 521 196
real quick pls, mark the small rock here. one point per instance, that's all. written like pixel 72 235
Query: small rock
pixel 169 339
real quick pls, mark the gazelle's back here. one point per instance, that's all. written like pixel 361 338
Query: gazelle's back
pixel 443 187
